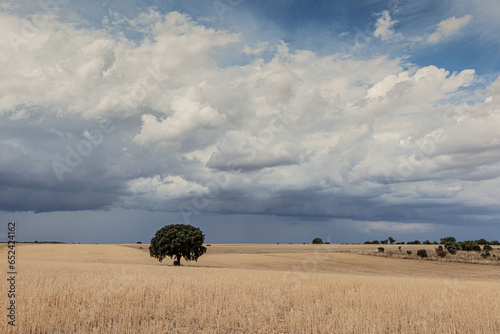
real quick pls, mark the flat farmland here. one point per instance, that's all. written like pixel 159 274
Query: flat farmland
pixel 71 288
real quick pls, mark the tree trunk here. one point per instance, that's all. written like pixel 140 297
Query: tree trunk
pixel 177 262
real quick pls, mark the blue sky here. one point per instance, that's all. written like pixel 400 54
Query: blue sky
pixel 258 121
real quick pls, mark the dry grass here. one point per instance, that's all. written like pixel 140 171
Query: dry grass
pixel 249 289
pixel 460 256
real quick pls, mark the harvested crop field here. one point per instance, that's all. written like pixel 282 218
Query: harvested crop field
pixel 70 288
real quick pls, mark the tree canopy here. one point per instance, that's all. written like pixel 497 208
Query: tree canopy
pixel 178 240
pixel 317 241
pixel 448 240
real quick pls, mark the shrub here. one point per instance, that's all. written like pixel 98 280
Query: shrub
pixel 138 242
pixel 452 248
pixel 471 246
pixel 422 253
pixel 426 242
pixel 384 242
pixel 408 252
pixel 486 255
pixel 440 251
pixel 482 242
pixel 399 248
pixel 327 243
pixel 367 242
pixel 381 249
pixel 487 248
pixel 376 242
pixel 495 243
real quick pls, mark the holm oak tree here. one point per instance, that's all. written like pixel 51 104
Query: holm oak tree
pixel 177 241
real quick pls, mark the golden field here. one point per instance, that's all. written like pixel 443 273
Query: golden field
pixel 69 288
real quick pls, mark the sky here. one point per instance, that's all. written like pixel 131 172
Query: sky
pixel 257 121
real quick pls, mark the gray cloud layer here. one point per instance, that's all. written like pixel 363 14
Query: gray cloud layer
pixel 92 120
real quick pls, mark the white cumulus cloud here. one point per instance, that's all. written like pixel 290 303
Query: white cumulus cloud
pixel 384 27
pixel 448 27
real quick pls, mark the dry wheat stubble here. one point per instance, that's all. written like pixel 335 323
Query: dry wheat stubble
pixel 116 289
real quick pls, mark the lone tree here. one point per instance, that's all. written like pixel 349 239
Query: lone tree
pixel 317 241
pixel 178 240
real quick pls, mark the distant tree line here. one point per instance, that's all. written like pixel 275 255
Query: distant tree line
pixel 42 242
pixel 450 244
pixel 460 245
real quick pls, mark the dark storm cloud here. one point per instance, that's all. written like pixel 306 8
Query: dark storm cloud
pixel 174 116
